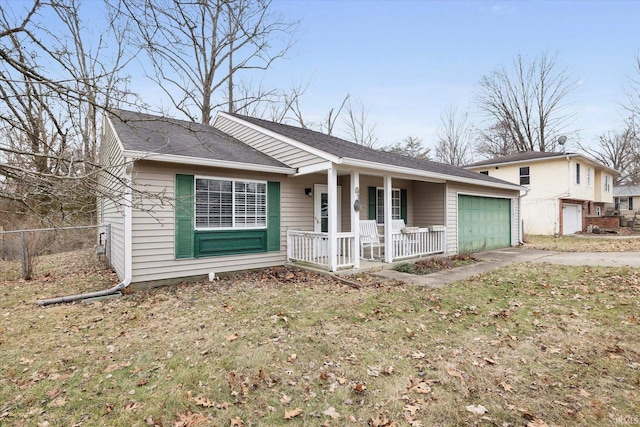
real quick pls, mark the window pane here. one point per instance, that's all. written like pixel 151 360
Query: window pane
pixel 213 203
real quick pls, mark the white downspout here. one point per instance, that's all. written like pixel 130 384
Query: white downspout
pixel 127 217
pixel 521 231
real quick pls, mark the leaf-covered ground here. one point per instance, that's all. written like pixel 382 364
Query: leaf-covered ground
pixel 527 345
pixel 585 243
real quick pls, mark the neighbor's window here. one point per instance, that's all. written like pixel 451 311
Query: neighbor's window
pixel 525 178
pixel 395 205
pixel 588 177
pixel 607 184
pixel 228 203
pixel 630 203
pixel 598 210
pixel 577 173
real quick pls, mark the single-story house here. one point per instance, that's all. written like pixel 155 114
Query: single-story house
pixel 565 191
pixel 186 200
pixel 626 199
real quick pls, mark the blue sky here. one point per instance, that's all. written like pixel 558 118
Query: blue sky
pixel 408 61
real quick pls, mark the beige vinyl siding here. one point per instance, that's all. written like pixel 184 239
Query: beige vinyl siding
pixel 452 191
pixel 153 223
pixel 279 150
pixel 110 208
pixel 429 204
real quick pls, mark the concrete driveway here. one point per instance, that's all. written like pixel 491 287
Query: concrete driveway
pixel 491 260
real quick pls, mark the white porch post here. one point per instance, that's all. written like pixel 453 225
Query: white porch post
pixel 332 194
pixel 388 243
pixel 355 218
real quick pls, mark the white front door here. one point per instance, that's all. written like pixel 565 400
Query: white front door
pixel 571 219
pixel 321 208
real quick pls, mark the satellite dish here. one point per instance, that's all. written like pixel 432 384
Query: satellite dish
pixel 562 139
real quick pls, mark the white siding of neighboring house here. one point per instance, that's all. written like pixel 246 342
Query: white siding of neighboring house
pixel 602 194
pixel 110 208
pixel 454 189
pixel 153 230
pixel 286 153
pixel 584 190
pixel 552 180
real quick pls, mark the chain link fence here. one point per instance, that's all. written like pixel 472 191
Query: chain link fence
pixel 25 246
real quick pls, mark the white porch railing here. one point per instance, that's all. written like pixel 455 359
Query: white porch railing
pixel 419 242
pixel 313 247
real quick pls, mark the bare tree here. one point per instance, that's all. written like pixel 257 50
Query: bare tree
pixel 619 150
pixel 528 100
pixel 494 142
pixel 197 49
pixel 410 146
pixel 453 145
pixel 53 86
pixel 358 126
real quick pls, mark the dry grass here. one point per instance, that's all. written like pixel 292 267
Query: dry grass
pixel 583 244
pixel 533 344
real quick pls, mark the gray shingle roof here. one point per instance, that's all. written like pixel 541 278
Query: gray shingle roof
pixel 520 157
pixel 161 135
pixel 626 190
pixel 346 149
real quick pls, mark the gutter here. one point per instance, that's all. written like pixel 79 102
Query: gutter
pixel 127 219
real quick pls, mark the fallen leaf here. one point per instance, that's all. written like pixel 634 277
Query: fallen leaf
pixel 506 386
pixel 331 412
pixel 201 401
pixel 381 420
pixel 537 422
pixel 232 337
pixel 476 409
pixel 58 402
pixel 359 388
pixel 292 414
pixel 285 400
pixel 236 422
pixel 455 373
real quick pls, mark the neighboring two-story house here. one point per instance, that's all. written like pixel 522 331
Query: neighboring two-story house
pixel 564 188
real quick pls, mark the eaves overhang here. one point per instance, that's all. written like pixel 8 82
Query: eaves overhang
pixel 197 161
pixel 428 175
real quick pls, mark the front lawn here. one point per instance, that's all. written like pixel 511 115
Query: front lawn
pixel 583 243
pixel 525 345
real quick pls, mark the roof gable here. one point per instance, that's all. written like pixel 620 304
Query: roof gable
pixel 163 136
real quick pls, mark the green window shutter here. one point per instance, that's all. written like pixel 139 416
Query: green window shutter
pixel 184 206
pixel 372 202
pixel 273 216
pixel 403 204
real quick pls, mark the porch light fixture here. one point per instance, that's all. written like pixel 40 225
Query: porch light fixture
pixel 308 192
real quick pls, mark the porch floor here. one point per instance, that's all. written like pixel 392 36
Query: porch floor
pixel 366 265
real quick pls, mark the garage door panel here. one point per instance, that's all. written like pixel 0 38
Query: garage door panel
pixel 483 223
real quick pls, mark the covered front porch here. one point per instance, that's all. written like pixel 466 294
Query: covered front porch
pixel 343 213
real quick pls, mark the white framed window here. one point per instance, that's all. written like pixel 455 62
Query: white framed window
pixel 598 210
pixel 588 177
pixel 525 176
pixel 577 173
pixel 607 184
pixel 395 205
pixel 223 203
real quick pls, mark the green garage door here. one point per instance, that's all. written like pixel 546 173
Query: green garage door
pixel 484 223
